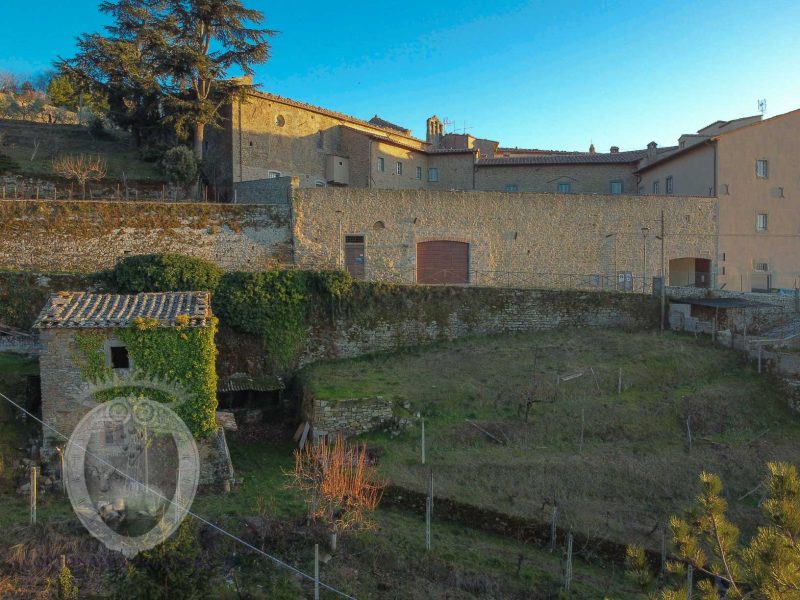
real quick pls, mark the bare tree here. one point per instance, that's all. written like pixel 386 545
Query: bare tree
pixel 81 168
pixel 342 489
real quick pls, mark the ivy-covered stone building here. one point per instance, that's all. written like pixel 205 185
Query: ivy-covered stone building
pixel 90 340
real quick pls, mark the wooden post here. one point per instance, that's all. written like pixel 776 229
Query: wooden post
pixel 760 349
pixel 63 562
pixel 583 422
pixel 619 382
pixel 428 503
pixel 422 447
pixel 663 275
pixel 553 529
pixel 689 433
pixel 689 582
pixel 316 571
pixel 663 549
pixel 568 570
pixel 33 495
pixel 61 470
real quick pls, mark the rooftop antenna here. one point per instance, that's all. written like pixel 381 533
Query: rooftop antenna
pixel 447 122
pixel 762 106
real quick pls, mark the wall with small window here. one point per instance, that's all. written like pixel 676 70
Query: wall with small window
pixel 564 179
pixel 394 167
pixel 687 174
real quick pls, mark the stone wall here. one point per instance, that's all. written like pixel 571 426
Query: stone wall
pixel 74 236
pixel 409 316
pixel 511 236
pixel 347 417
pixel 276 190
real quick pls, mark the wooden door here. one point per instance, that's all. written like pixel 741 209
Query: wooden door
pixel 354 255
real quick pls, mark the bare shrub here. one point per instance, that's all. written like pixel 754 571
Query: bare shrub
pixel 341 488
pixel 81 168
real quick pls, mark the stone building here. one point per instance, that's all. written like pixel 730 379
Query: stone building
pixel 81 340
pixel 265 138
pixel 751 165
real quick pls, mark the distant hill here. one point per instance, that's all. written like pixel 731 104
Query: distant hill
pixel 32 147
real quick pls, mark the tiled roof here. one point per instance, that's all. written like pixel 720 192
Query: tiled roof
pixel 82 309
pixel 325 111
pixel 420 147
pixel 502 150
pixel 630 156
pixel 376 120
pixel 241 382
pixel 451 150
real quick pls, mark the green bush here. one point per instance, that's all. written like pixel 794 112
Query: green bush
pixel 180 165
pixel 271 304
pixel 164 273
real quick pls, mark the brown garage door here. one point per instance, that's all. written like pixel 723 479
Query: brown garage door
pixel 442 262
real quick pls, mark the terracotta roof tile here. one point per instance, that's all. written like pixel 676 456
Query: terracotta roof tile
pixel 630 156
pixel 376 120
pixel 86 310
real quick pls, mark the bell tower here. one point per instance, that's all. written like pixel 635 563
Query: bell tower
pixel 435 129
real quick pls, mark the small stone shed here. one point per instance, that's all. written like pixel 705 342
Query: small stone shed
pixel 82 337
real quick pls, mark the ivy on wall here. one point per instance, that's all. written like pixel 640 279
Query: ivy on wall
pixel 180 355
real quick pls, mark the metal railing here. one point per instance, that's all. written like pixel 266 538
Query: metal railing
pixel 622 282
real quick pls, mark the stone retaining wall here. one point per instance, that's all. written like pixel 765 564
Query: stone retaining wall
pixel 347 417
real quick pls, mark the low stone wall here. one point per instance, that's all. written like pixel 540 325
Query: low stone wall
pixel 215 461
pixel 347 417
pixel 409 316
pixel 76 236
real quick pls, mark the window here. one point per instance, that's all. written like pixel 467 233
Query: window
pixel 433 174
pixel 761 222
pixel 419 172
pixel 280 121
pixel 668 184
pixel 761 267
pixel 273 174
pixel 761 169
pixel 616 187
pixel 381 164
pixel 399 168
pixel 119 357
pixel 564 188
pixel 512 187
pixel 656 187
pixel 723 270
pixel 320 140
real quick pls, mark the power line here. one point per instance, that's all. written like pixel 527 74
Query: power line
pixel 234 537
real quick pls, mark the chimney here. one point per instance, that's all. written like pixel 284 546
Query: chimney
pixel 591 148
pixel 614 149
pixel 651 150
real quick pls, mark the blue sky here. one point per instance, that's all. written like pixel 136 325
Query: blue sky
pixel 530 74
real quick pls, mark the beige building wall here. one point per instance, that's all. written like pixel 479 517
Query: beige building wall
pixel 522 240
pixel 279 135
pixel 692 173
pixel 455 171
pixel 742 195
pixel 583 179
pixel 389 178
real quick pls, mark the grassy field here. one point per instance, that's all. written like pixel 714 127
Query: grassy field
pixel 633 467
pixel 20 137
pixel 387 562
